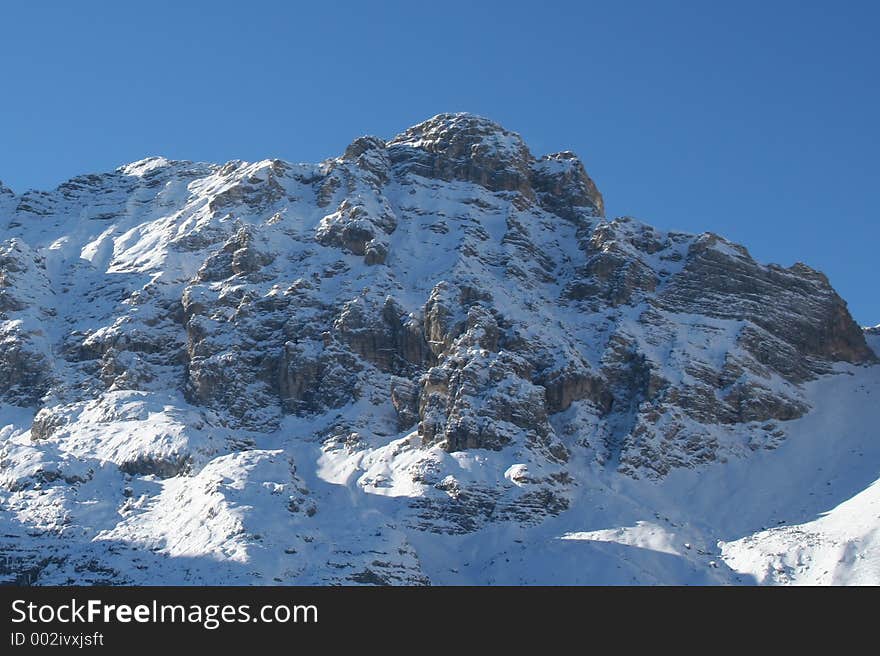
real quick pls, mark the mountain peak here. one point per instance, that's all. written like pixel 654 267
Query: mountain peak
pixel 475 149
pixel 458 133
pixel 455 121
pixel 5 191
pixel 464 147
pixel 146 165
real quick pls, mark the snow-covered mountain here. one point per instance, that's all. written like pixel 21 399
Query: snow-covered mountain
pixel 430 360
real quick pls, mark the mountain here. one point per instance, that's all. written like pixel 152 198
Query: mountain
pixel 429 360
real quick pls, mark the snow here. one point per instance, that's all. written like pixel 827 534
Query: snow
pixel 644 535
pixel 841 547
pixel 144 166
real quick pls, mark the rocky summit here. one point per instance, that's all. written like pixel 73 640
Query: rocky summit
pixel 432 359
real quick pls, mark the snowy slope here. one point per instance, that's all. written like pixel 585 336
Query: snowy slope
pixel 840 548
pixel 803 513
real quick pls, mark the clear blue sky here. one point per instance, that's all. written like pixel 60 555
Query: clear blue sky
pixel 757 120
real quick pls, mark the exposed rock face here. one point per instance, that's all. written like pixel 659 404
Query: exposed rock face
pixel 467 148
pixel 25 307
pixel 446 318
pixel 796 305
pixel 472 149
pixel 6 194
pixel 563 187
